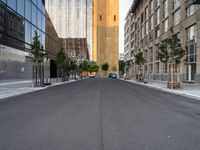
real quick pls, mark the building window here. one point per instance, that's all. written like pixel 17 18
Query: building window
pixel 100 17
pixel 146 13
pixel 191 10
pixel 12 4
pixel 28 10
pixel 151 68
pixel 151 55
pixel 157 67
pixel 34 15
pixel 165 9
pixel 176 4
pixel 165 67
pixel 157 17
pixel 157 31
pixel 28 32
pixel 114 17
pixel 165 25
pixel 157 3
pixel 157 52
pixel 151 23
pixel 177 17
pixel 145 69
pixel 147 27
pixel 191 44
pixel 151 5
pixel 142 32
pixel 20 7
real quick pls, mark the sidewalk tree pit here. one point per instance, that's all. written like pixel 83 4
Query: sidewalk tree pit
pixel 171 53
pixel 38 54
pixel 139 61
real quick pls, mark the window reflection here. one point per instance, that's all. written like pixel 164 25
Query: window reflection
pixel 34 15
pixel 12 4
pixel 28 10
pixel 20 7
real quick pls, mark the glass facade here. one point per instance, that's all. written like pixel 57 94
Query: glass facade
pixel 72 19
pixel 19 19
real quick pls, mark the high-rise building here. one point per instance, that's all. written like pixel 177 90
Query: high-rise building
pixel 150 22
pixel 106 33
pixel 19 19
pixel 72 20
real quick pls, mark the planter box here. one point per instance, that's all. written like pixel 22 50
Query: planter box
pixel 173 85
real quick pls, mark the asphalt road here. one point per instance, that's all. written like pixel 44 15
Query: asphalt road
pixel 99 114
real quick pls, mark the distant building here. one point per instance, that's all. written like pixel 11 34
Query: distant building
pixel 106 33
pixel 148 23
pixel 121 56
pixel 76 48
pixel 19 19
pixel 72 20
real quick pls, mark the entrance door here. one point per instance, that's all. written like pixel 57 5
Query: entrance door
pixel 191 71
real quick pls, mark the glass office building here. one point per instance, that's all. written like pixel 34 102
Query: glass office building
pixel 72 19
pixel 19 19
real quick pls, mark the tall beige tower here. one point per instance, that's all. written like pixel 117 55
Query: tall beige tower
pixel 106 33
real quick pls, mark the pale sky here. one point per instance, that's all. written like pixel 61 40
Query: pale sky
pixel 124 7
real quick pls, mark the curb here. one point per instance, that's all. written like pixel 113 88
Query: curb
pixel 36 89
pixel 165 90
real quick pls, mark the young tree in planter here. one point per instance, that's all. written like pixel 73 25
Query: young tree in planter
pixel 73 67
pixel 61 62
pixel 127 67
pixel 92 67
pixel 172 52
pixel 83 67
pixel 121 67
pixel 105 67
pixel 139 60
pixel 38 54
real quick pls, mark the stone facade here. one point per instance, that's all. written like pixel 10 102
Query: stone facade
pixel 148 23
pixel 106 33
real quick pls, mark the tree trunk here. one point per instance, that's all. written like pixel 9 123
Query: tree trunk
pixel 178 73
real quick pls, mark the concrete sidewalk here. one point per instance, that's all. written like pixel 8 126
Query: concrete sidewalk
pixel 188 90
pixel 14 88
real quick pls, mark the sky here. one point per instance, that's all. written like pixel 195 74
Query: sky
pixel 124 7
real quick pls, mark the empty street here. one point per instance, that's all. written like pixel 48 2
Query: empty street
pixel 99 114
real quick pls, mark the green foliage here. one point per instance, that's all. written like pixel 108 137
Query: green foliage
pixel 92 67
pixel 163 55
pixel 83 66
pixel 89 66
pixel 122 66
pixel 105 67
pixel 127 64
pixel 139 59
pixel 37 49
pixel 61 59
pixel 171 50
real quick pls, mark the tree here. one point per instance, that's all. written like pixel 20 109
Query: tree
pixel 139 60
pixel 61 62
pixel 72 66
pixel 38 53
pixel 92 67
pixel 122 67
pixel 105 67
pixel 171 51
pixel 83 66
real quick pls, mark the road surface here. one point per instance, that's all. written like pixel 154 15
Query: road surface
pixel 99 114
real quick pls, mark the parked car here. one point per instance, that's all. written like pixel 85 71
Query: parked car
pixel 92 76
pixel 112 75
